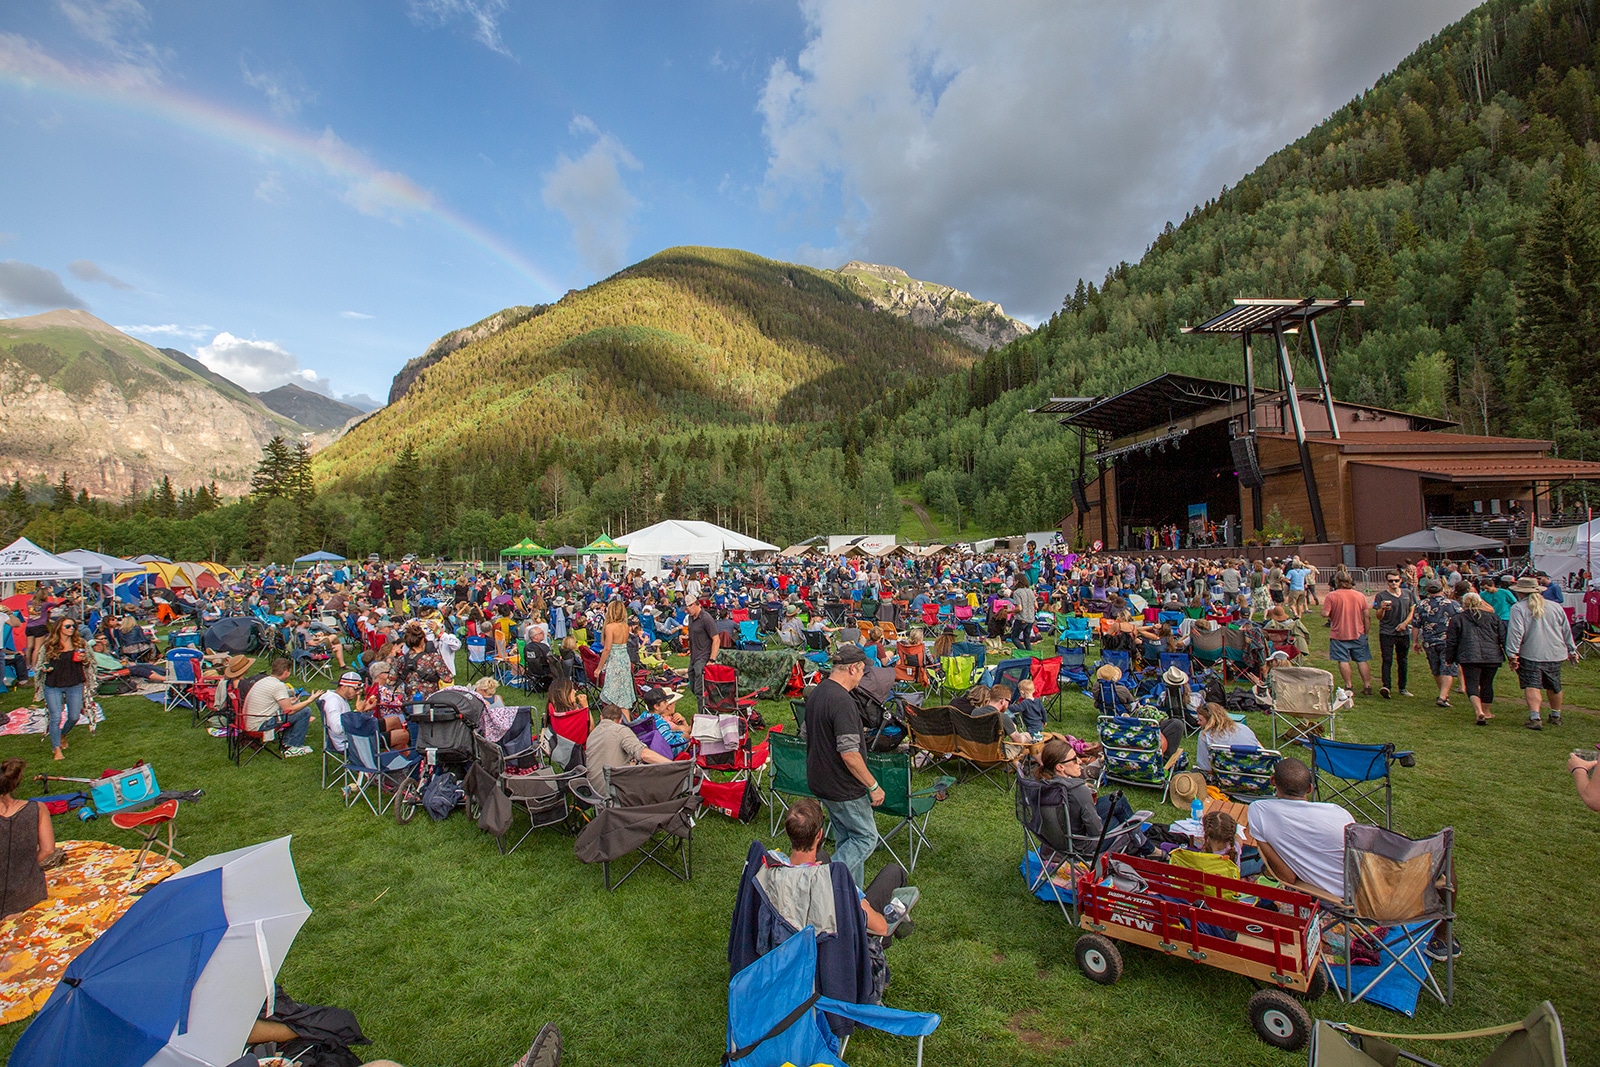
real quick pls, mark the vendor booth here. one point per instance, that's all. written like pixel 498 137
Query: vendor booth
pixel 694 543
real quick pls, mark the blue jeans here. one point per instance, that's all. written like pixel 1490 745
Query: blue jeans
pixel 294 726
pixel 855 834
pixel 54 699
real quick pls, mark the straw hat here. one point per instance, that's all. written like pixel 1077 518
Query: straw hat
pixel 1185 787
pixel 1174 676
pixel 1525 584
pixel 238 666
pixel 1109 672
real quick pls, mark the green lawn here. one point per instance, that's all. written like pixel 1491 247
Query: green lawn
pixel 451 956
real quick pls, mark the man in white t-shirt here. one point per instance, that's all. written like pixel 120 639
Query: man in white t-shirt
pixel 336 703
pixel 1300 839
pixel 271 705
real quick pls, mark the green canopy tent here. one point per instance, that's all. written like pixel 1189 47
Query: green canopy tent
pixel 602 546
pixel 523 549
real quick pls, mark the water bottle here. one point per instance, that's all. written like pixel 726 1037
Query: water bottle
pixel 1197 810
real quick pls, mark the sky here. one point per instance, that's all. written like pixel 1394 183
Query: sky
pixel 312 192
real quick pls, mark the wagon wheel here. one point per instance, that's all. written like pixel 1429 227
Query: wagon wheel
pixel 1280 1020
pixel 1098 958
pixel 1317 985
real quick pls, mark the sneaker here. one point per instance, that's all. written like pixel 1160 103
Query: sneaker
pixel 217 731
pixel 1555 718
pixel 297 750
pixel 1406 693
pixel 1383 691
pixel 1534 724
pixel 1436 950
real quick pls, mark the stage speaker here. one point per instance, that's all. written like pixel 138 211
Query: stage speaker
pixel 1245 462
pixel 1079 497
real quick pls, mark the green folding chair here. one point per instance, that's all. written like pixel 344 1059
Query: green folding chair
pixel 912 807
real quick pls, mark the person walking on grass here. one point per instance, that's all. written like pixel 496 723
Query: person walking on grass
pixel 1396 608
pixel 1475 638
pixel 1538 641
pixel 1346 611
pixel 836 767
pixel 1432 631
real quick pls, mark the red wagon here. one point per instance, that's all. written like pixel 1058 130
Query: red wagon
pixel 1202 917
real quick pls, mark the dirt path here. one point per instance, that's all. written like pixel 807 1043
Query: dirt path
pixel 923 517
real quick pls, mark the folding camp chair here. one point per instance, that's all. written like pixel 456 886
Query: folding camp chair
pixel 1118 658
pixel 1179 660
pixel 183 680
pixel 930 614
pixel 1244 772
pixel 912 807
pixel 242 739
pixel 480 663
pixel 1046 675
pixel 1048 847
pixel 1235 647
pixel 1399 894
pixel 1109 703
pixel 310 662
pixel 932 730
pixel 150 823
pixel 750 636
pixel 956 673
pixel 376 777
pixel 974 649
pixel 1536 1041
pixel 1206 645
pixel 592 673
pixel 786 755
pixel 647 809
pixel 817 640
pixel 910 666
pixel 1358 777
pixel 776 1016
pixel 981 745
pixel 1132 753
pixel 333 759
pixel 1010 674
pixel 1074 631
pixel 1302 704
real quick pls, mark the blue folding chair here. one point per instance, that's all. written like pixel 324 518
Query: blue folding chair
pixel 183 679
pixel 480 664
pixel 1011 673
pixel 1179 660
pixel 1074 631
pixel 1171 618
pixel 776 1015
pixel 374 773
pixel 1357 776
pixel 1244 772
pixel 750 636
pixel 1118 658
pixel 970 648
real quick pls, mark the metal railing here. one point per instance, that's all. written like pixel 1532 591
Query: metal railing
pixel 1499 527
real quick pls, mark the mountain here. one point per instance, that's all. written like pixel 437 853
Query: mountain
pixel 688 338
pixel 78 396
pixel 314 411
pixel 980 323
pixel 1457 197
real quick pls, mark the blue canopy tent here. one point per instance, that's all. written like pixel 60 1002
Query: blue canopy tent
pixel 317 557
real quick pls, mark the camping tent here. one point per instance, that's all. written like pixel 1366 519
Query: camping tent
pixel 24 561
pixel 151 559
pixel 695 543
pixel 1560 552
pixel 1437 539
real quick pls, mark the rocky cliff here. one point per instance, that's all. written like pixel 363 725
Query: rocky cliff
pixel 980 323
pixel 459 339
pixel 78 396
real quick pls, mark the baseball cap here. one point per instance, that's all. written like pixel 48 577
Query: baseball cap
pixel 350 678
pixel 849 654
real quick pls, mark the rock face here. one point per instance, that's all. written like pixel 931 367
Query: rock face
pixel 311 410
pixel 78 396
pixel 458 339
pixel 980 323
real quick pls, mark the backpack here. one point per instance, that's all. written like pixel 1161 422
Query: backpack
pixel 441 795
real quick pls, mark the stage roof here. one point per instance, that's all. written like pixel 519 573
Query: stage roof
pixel 1517 471
pixel 1154 403
pixel 1260 314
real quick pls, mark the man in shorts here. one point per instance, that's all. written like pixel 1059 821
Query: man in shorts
pixel 1346 610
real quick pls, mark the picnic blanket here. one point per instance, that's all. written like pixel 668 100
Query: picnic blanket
pixel 88 893
pixel 36 720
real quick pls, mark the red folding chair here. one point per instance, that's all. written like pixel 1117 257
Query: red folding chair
pixel 1046 675
pixel 739 615
pixel 572 725
pixel 150 823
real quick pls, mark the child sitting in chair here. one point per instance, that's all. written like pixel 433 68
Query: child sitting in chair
pixel 1029 709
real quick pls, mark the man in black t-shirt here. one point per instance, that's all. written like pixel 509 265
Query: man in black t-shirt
pixel 836 769
pixel 704 644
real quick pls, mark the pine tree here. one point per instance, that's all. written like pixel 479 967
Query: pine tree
pixel 63 494
pixel 300 485
pixel 273 475
pixel 402 506
pixel 16 498
pixel 165 501
pixel 1558 334
pixel 83 499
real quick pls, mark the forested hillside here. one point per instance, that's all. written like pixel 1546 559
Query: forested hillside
pixel 1457 197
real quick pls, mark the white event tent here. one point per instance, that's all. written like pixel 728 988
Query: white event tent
pixel 656 548
pixel 24 561
pixel 1561 552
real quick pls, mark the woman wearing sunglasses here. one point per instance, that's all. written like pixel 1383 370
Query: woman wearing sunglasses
pixel 62 662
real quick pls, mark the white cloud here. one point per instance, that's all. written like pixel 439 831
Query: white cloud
pixel 354 315
pixel 24 286
pixel 269 190
pixel 379 193
pixel 86 270
pixel 285 90
pixel 27 62
pixel 1010 147
pixel 482 18
pixel 118 26
pixel 258 365
pixel 590 195
pixel 164 333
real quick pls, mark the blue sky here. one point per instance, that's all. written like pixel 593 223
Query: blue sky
pixel 313 191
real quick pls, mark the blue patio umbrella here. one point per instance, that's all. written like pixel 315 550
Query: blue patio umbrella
pixel 179 979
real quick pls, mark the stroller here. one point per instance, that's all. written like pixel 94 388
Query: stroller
pixel 441 726
pixel 882 728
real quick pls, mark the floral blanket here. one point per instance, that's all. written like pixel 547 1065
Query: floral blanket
pixel 37 720
pixel 88 893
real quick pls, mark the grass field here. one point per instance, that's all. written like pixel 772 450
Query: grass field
pixel 452 956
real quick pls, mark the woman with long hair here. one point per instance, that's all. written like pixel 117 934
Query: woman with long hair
pixel 1475 638
pixel 36 621
pixel 615 664
pixel 61 662
pixel 1218 729
pixel 1538 641
pixel 29 840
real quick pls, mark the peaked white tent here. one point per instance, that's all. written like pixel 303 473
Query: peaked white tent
pixel 656 548
pixel 1559 552
pixel 24 561
pixel 91 560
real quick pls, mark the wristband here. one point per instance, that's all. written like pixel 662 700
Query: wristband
pixel 873 788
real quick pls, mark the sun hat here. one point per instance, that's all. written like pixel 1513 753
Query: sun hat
pixel 1174 675
pixel 1185 788
pixel 1525 584
pixel 1278 653
pixel 350 678
pixel 237 666
pixel 1109 672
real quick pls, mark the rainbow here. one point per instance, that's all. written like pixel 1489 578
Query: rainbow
pixel 369 188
